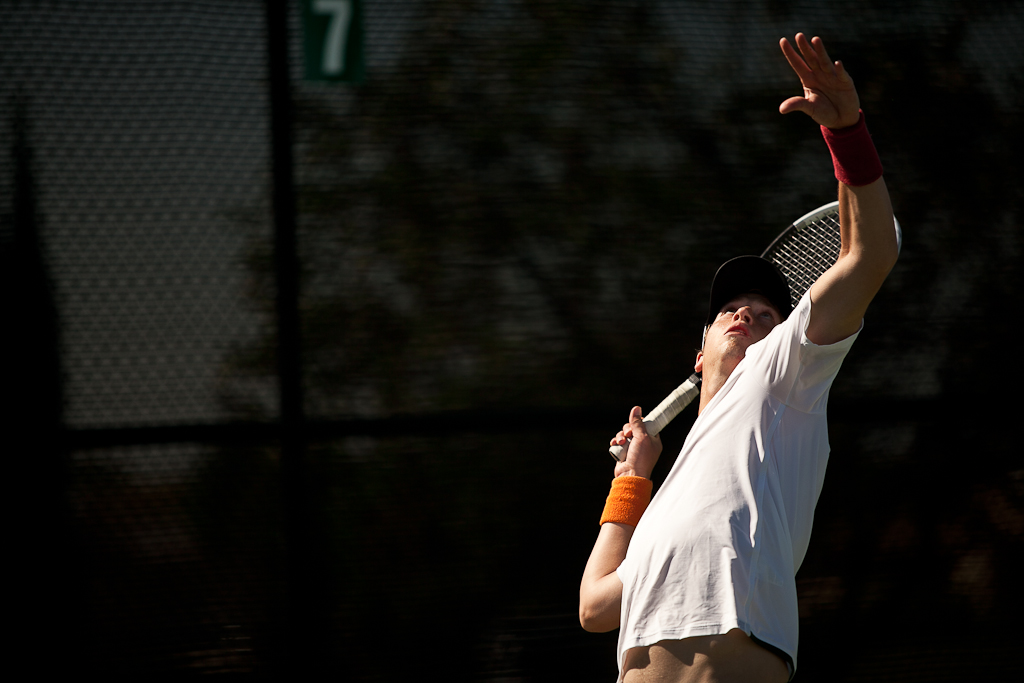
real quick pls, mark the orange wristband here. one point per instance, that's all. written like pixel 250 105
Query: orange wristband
pixel 627 500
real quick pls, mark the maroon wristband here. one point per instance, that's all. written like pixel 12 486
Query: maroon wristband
pixel 853 154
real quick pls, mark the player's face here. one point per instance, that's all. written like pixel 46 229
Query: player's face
pixel 744 320
pixel 749 316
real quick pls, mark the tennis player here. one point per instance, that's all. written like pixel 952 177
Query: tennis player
pixel 701 579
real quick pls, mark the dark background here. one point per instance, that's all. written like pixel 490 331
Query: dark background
pixel 386 458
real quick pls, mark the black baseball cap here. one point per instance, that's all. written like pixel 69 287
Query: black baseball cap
pixel 749 274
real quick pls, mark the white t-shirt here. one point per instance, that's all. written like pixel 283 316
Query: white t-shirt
pixel 719 546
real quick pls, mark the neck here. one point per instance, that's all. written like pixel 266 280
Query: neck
pixel 712 380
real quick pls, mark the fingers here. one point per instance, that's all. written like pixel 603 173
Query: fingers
pixel 794 59
pixel 814 54
pixel 809 53
pixel 636 422
pixel 635 425
pixel 643 450
pixel 813 59
pixel 827 65
pixel 795 104
pixel 636 416
pixel 841 71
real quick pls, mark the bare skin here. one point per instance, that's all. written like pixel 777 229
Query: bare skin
pixel 601 589
pixel 839 300
pixel 728 658
pixel 743 321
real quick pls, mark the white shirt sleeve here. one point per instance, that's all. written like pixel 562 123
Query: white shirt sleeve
pixel 793 369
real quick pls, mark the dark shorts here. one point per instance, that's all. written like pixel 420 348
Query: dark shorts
pixel 777 652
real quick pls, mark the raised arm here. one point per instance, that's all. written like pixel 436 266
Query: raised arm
pixel 841 295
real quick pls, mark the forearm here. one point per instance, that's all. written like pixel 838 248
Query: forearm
pixel 840 297
pixel 865 211
pixel 601 589
pixel 868 232
pixel 869 250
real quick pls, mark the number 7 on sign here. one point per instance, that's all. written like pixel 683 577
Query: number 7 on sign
pixel 340 11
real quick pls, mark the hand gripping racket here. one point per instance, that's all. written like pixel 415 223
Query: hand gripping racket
pixel 803 251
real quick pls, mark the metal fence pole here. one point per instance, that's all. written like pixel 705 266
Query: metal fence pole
pixel 306 628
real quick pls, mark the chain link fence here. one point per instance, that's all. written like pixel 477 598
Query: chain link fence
pixel 505 236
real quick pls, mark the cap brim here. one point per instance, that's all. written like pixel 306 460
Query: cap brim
pixel 749 274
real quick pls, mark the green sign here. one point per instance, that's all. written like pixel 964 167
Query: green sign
pixel 333 40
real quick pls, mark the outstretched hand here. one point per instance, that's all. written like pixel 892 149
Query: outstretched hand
pixel 830 97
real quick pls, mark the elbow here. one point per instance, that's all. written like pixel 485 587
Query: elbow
pixel 588 622
pixel 600 603
pixel 595 621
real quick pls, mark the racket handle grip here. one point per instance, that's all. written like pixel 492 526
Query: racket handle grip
pixel 666 411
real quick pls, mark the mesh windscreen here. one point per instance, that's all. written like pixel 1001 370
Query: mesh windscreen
pixel 506 240
pixel 149 133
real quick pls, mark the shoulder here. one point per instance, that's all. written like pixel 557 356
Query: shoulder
pixel 796 325
pixel 789 365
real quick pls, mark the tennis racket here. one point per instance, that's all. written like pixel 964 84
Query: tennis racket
pixel 803 251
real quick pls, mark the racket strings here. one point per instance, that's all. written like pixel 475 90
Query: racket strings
pixel 807 252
